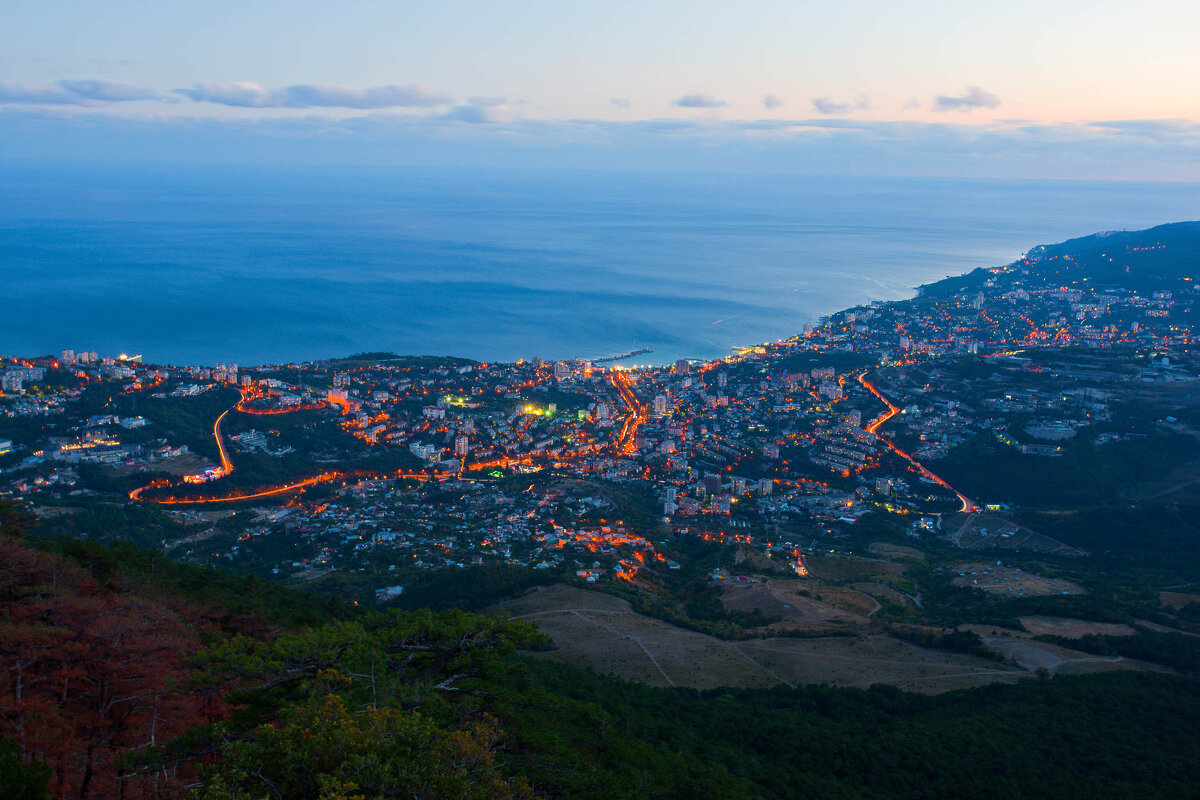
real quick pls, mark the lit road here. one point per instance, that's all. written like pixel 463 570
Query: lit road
pixel 226 464
pixel 636 416
pixel 892 410
pixel 274 491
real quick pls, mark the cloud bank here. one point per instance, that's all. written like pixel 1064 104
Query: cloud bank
pixel 246 94
pixel 1112 149
pixel 73 93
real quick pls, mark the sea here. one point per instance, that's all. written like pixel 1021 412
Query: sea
pixel 199 264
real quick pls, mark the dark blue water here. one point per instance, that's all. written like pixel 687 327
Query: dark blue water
pixel 199 265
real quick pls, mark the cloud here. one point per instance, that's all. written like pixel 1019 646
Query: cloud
pixel 242 94
pixel 912 103
pixel 700 100
pixel 772 101
pixel 620 102
pixel 956 145
pixel 825 105
pixel 107 91
pixel 73 93
pixel 246 94
pixel 488 110
pixel 1155 128
pixel 973 97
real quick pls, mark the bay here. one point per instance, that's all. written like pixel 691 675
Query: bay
pixel 249 264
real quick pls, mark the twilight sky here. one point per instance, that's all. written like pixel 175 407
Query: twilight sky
pixel 1098 89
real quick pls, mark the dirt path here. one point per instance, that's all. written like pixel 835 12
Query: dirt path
pixel 619 635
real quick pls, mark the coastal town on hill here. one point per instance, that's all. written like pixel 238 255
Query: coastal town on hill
pixel 878 415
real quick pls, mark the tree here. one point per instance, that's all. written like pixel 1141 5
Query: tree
pixel 324 751
pixel 20 780
pixel 90 673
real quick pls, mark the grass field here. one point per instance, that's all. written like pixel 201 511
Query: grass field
pixel 1074 628
pixel 1011 582
pixel 602 632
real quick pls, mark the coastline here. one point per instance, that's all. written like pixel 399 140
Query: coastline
pixel 204 268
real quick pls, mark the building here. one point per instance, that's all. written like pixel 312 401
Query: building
pixel 462 445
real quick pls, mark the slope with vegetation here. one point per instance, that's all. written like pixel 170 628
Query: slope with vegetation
pixel 126 675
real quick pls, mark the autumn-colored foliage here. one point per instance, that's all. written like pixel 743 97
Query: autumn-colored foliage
pixel 125 690
pixel 91 674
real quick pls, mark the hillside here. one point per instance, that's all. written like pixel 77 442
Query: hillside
pixel 128 675
pixel 1146 260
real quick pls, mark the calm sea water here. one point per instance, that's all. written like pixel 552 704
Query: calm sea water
pixel 253 265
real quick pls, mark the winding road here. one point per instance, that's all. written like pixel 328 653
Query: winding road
pixel 227 467
pixel 892 410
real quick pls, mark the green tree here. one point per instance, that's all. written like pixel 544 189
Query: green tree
pixel 20 780
pixel 324 751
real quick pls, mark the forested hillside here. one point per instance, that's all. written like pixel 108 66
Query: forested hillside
pixel 128 676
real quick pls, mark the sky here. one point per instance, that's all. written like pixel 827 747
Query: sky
pixel 1098 89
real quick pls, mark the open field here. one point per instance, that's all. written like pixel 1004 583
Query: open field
pixel 984 531
pixel 1009 581
pixel 882 592
pixel 1181 485
pixel 1074 628
pixel 896 551
pixel 604 633
pixel 196 516
pixel 1178 600
pixel 187 464
pixel 803 605
pixel 1055 660
pixel 832 566
pixel 49 512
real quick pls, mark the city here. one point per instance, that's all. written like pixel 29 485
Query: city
pixel 363 473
